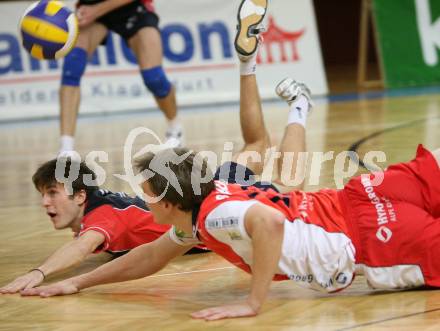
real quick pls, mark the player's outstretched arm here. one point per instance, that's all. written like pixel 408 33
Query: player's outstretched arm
pixel 265 226
pixel 67 256
pixel 140 262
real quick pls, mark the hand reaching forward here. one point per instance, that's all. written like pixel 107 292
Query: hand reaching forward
pixel 27 281
pixel 64 287
pixel 228 311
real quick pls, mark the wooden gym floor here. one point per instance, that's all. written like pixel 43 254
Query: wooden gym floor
pixel 190 283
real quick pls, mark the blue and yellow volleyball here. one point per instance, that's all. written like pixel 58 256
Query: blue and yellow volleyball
pixel 48 29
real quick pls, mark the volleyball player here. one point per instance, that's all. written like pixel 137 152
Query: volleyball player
pixel 137 23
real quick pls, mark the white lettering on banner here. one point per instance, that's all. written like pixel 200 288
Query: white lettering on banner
pixel 384 210
pixel 429 32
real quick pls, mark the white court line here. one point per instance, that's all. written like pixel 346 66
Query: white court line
pixel 190 272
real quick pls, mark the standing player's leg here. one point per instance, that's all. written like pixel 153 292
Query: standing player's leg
pixel 147 46
pixel 292 161
pixel 73 69
pixel 255 135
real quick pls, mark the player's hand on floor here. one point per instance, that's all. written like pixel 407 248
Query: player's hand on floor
pixel 229 311
pixel 31 279
pixel 61 288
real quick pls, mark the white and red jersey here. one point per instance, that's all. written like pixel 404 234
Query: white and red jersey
pixel 389 230
pixel 316 252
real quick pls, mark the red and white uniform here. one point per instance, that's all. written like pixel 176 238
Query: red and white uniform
pixel 390 232
pixel 316 252
pixel 395 226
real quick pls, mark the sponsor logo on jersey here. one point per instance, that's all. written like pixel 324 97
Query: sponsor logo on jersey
pixel 221 223
pixel 384 234
pixel 230 224
pixel 384 210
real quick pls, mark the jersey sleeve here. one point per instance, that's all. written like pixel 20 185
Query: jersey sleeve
pixel 103 221
pixel 226 222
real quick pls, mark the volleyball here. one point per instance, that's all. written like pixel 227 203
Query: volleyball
pixel 48 29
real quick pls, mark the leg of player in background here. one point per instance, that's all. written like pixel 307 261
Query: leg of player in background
pixel 255 135
pixel 298 97
pixel 73 68
pixel 250 24
pixel 147 46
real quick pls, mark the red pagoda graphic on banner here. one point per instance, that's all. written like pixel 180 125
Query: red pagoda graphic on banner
pixel 275 36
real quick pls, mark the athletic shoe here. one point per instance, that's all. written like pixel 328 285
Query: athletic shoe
pixel 289 89
pixel 250 17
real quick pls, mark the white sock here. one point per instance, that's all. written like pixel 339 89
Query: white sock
pixel 174 124
pixel 248 67
pixel 299 110
pixel 67 143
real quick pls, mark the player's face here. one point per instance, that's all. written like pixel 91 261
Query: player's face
pixel 60 207
pixel 159 210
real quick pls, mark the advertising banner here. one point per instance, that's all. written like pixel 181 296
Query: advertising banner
pixel 409 41
pixel 199 58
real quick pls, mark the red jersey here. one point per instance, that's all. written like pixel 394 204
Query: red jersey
pixel 124 221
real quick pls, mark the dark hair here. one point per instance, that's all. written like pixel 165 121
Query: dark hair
pixel 45 177
pixel 187 167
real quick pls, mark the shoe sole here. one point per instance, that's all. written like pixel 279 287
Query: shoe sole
pixel 244 43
